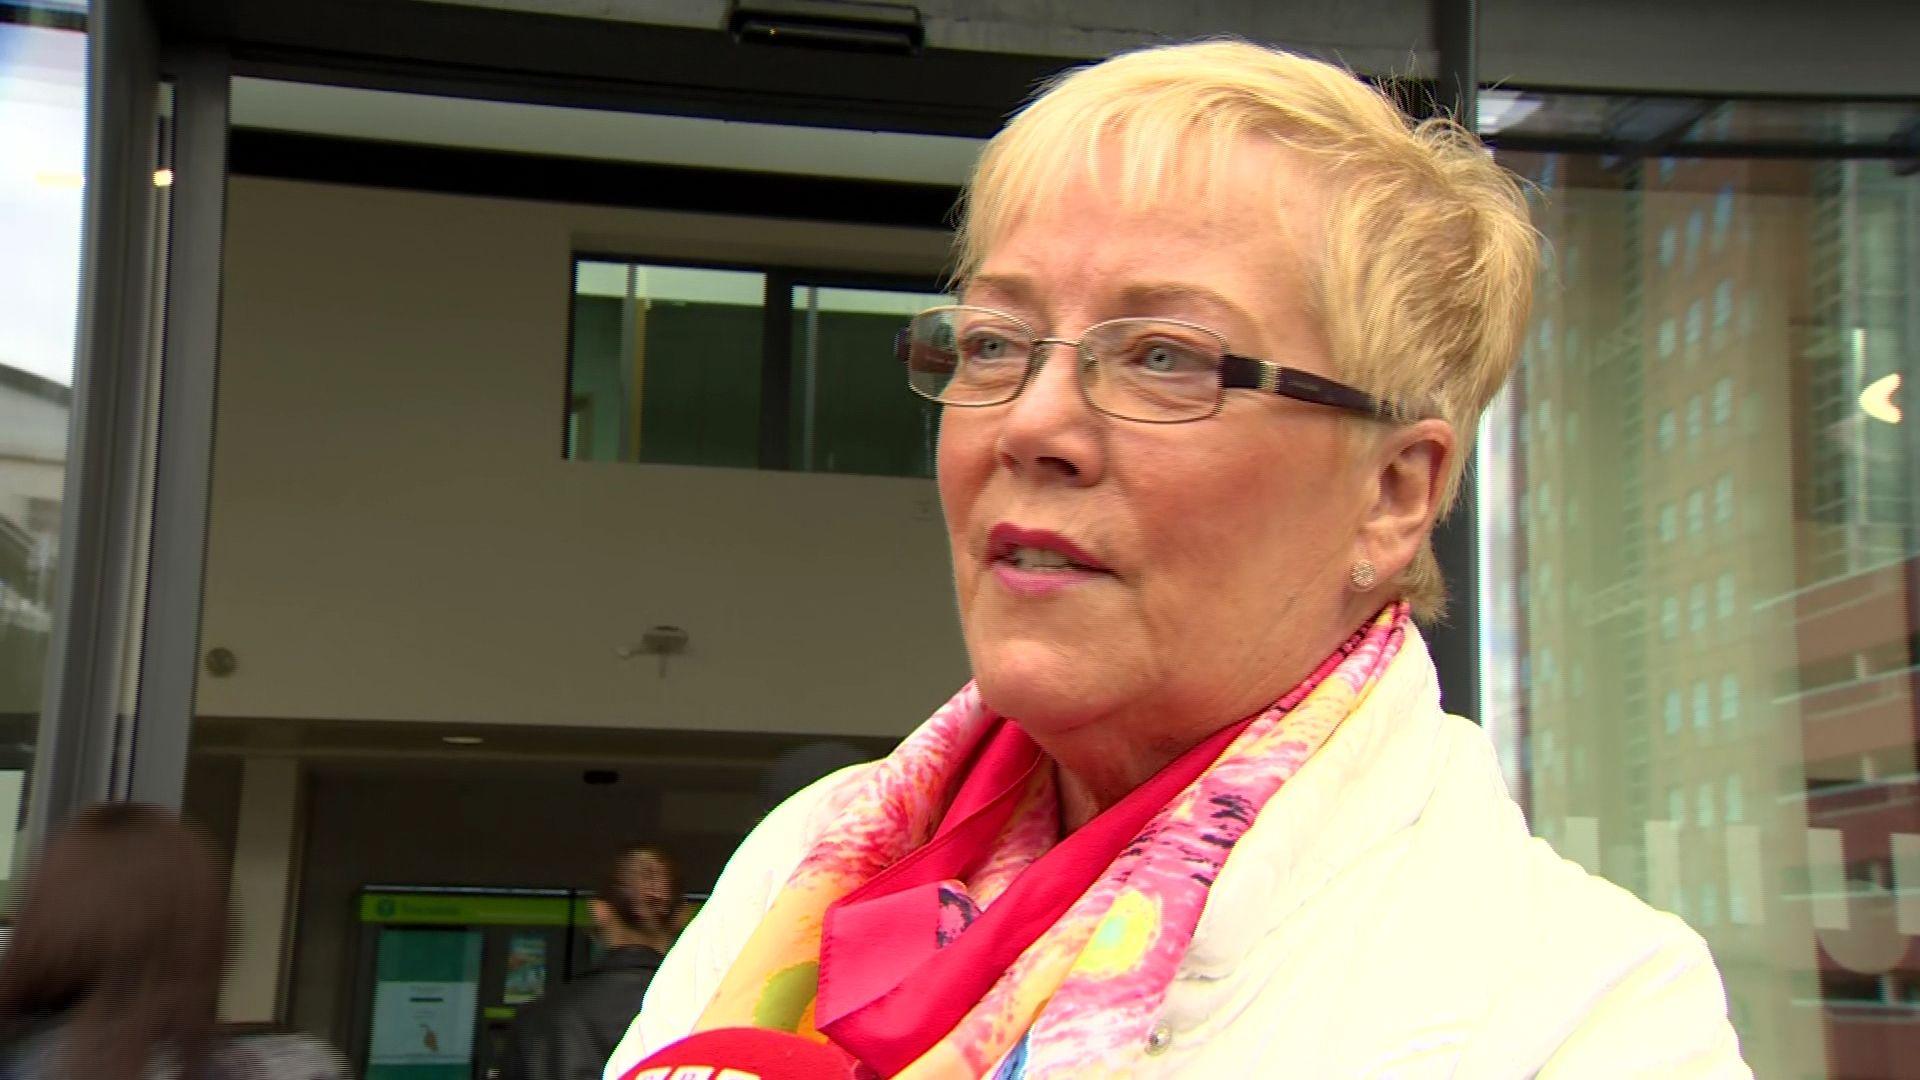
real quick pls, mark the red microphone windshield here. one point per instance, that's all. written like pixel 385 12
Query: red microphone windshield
pixel 746 1054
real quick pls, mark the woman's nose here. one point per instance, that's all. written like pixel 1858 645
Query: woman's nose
pixel 1050 429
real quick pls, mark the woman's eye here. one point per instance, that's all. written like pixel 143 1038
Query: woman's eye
pixel 1166 358
pixel 988 347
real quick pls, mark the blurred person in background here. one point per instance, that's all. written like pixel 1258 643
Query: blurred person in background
pixel 569 1033
pixel 114 966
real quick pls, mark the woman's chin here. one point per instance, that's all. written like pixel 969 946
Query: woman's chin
pixel 1045 691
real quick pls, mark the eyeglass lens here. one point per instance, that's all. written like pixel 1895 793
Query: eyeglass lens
pixel 1143 369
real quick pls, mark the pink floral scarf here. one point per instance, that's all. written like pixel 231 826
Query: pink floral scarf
pixel 900 884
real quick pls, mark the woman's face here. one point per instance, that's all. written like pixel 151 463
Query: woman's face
pixel 1210 557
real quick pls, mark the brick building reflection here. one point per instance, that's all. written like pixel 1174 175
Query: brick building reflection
pixel 1701 545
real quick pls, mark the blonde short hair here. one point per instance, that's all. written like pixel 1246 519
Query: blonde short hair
pixel 1424 280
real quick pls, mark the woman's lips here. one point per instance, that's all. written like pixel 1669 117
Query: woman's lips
pixel 1041 582
pixel 1006 539
pixel 1035 562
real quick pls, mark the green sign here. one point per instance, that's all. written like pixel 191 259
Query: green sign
pixel 583 910
pixel 461 909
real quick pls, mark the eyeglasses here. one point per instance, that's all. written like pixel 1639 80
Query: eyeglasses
pixel 1156 371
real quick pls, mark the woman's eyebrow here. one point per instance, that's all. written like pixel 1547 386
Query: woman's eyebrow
pixel 1152 294
pixel 1142 296
pixel 1016 287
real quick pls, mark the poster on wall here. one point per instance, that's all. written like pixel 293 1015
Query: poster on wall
pixel 526 969
pixel 422 1023
pixel 425 1000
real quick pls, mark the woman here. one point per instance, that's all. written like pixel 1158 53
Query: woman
pixel 568 1034
pixel 1229 322
pixel 113 968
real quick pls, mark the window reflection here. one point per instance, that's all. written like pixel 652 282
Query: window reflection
pixel 1749 575
pixel 42 128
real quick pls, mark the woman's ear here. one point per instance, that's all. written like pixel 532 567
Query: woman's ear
pixel 1409 468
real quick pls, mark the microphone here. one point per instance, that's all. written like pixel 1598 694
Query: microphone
pixel 744 1053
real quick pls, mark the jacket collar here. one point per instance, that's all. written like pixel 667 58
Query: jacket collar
pixel 1371 779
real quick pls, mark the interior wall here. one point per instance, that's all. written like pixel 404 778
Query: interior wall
pixel 394 534
pixel 503 826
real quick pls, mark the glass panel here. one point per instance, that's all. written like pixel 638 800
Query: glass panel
pixel 852 410
pixel 42 126
pixel 1851 123
pixel 666 364
pixel 1629 121
pixel 1748 626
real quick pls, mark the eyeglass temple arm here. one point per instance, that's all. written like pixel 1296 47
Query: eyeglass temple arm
pixel 1243 373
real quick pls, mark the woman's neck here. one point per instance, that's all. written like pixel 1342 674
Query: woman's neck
pixel 1089 784
pixel 1079 803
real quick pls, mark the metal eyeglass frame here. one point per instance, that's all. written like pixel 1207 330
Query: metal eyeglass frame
pixel 1236 373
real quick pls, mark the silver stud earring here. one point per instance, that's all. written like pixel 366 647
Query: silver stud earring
pixel 1363 575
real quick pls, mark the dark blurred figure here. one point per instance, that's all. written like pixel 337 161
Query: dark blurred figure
pixel 113 970
pixel 570 1033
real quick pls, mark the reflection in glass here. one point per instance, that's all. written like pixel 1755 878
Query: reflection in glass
pixel 1753 759
pixel 42 128
pixel 1685 122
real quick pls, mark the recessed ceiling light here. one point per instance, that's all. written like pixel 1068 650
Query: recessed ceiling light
pixel 462 740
